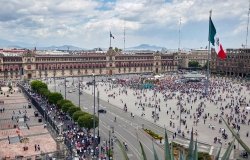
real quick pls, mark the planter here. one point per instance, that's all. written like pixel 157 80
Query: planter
pixel 153 135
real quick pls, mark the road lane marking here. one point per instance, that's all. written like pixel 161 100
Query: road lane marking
pixel 134 150
pixel 134 137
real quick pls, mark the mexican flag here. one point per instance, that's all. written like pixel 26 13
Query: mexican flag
pixel 212 32
pixel 219 50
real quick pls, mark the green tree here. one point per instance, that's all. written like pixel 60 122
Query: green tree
pixel 67 106
pixel 61 102
pixel 87 121
pixel 43 91
pixel 72 110
pixel 77 114
pixel 54 97
pixel 193 64
pixel 36 85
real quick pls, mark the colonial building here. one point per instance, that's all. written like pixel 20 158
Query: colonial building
pixel 237 63
pixel 198 55
pixel 31 65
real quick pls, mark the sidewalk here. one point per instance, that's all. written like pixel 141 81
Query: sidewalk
pixel 14 127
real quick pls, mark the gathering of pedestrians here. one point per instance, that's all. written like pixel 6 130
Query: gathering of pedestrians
pixel 183 106
pixel 78 140
pixel 178 106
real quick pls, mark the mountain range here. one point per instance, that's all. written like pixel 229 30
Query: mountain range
pixel 17 44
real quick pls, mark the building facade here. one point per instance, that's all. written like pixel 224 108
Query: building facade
pixel 30 65
pixel 197 55
pixel 237 63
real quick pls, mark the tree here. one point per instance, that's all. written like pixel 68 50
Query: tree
pixel 36 85
pixel 193 64
pixel 43 91
pixel 117 49
pixel 77 114
pixel 54 97
pixel 87 121
pixel 72 110
pixel 67 106
pixel 61 102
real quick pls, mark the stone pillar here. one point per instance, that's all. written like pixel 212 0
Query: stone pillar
pixel 60 147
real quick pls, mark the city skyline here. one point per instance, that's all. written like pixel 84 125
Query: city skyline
pixel 86 23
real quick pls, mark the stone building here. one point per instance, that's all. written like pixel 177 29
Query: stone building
pixel 237 63
pixel 198 55
pixel 30 65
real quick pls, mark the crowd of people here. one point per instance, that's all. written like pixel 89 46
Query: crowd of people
pixel 170 103
pixel 75 138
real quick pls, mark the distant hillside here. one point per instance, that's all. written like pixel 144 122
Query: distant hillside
pixel 146 47
pixel 63 47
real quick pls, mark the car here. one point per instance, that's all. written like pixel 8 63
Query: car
pixel 89 83
pixel 102 111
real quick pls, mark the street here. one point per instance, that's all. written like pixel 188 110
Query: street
pixel 126 128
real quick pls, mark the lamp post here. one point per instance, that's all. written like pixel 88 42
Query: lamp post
pixel 79 87
pixel 180 115
pixel 94 111
pixel 64 87
pixel 98 134
pixel 54 79
pixel 155 111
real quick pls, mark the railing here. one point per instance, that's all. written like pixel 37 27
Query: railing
pixel 40 109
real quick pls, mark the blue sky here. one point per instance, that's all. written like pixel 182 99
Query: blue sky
pixel 86 23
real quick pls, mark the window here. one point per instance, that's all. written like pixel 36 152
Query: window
pixel 29 67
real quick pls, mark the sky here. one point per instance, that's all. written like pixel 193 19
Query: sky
pixel 87 23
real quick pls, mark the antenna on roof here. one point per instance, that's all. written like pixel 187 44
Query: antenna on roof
pixel 247 24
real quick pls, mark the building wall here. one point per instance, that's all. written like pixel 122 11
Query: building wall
pixel 195 55
pixel 34 66
pixel 237 63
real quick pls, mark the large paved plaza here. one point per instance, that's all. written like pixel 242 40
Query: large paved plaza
pixel 199 112
pixel 17 133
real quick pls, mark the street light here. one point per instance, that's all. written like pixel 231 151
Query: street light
pixel 79 90
pixel 94 110
pixel 54 78
pixel 98 134
pixel 65 87
pixel 180 114
pixel 155 111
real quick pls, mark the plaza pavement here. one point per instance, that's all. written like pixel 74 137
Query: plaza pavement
pixel 205 133
pixel 16 105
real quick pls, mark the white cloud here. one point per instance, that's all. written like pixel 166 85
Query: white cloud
pixel 85 21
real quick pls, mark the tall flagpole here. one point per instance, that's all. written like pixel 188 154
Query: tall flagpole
pixel 179 45
pixel 208 55
pixel 247 23
pixel 124 37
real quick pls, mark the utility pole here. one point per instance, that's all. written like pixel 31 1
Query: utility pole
pixel 79 91
pixel 54 78
pixel 65 88
pixel 179 45
pixel 94 113
pixel 180 113
pixel 124 37
pixel 247 23
pixel 109 145
pixel 98 134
